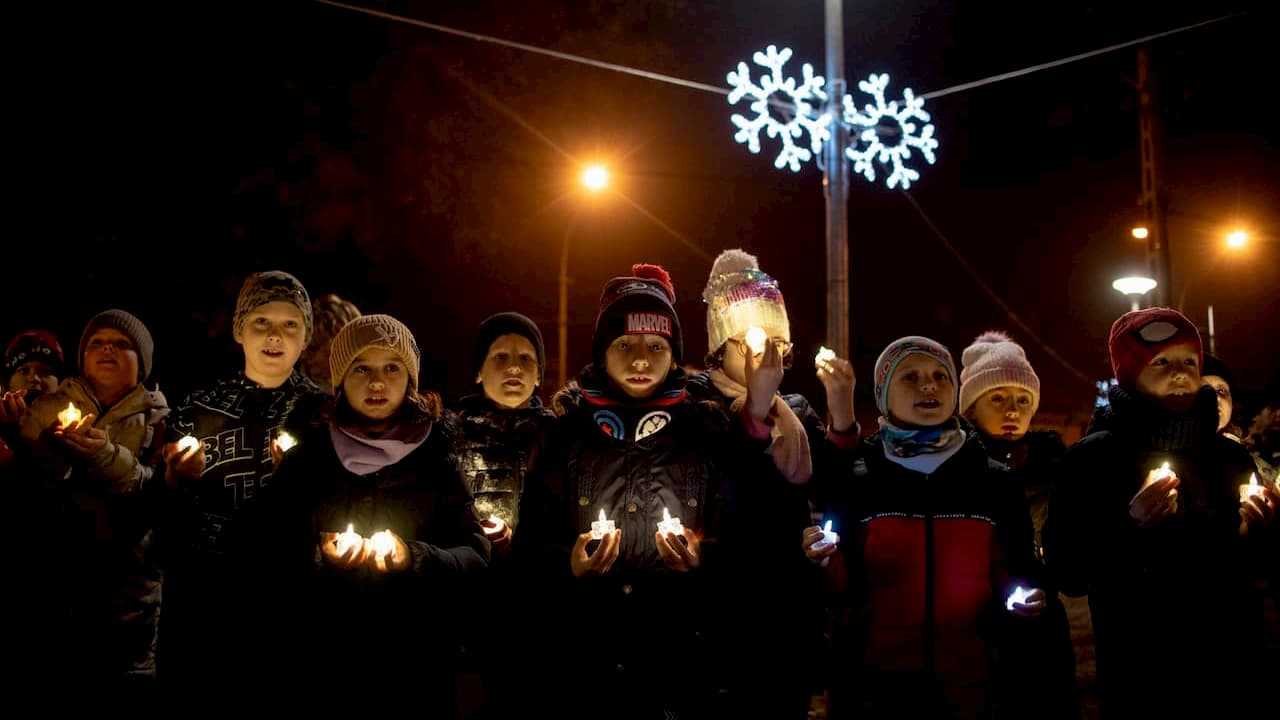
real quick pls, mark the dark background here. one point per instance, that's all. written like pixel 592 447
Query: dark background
pixel 158 155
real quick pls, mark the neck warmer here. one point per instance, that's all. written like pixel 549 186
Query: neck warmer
pixel 626 418
pixel 923 449
pixel 362 455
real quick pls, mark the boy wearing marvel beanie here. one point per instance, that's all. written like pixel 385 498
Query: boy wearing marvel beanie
pixel 1148 521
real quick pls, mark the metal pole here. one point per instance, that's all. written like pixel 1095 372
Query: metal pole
pixel 835 181
pixel 1133 304
pixel 1152 198
pixel 1213 346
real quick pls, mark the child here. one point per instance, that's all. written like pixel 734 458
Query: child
pixel 629 617
pixel 370 527
pixel 936 539
pixel 234 421
pixel 739 296
pixel 102 464
pixel 999 395
pixel 32 366
pixel 1167 556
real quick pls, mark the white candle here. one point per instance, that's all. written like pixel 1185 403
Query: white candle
pixel 756 339
pixel 348 540
pixel 1252 488
pixel 188 442
pixel 498 525
pixel 285 441
pixel 1162 472
pixel 670 524
pixel 828 536
pixel 1017 596
pixel 824 356
pixel 601 526
pixel 69 416
pixel 384 546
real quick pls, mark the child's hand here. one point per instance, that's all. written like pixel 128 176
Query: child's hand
pixel 837 378
pixel 346 557
pixel 1259 510
pixel 680 555
pixel 763 375
pixel 816 547
pixel 599 561
pixel 82 437
pixel 13 406
pixel 499 535
pixel 1031 606
pixel 387 552
pixel 1157 500
pixel 180 463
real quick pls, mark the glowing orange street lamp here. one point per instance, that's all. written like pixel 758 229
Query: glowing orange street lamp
pixel 1237 239
pixel 1139 233
pixel 595 177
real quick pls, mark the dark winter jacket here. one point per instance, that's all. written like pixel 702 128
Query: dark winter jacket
pixel 498 445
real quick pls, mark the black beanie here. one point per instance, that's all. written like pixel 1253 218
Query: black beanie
pixel 1214 366
pixel 638 305
pixel 131 327
pixel 507 323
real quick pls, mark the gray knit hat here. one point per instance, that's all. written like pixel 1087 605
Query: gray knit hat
pixel 270 286
pixel 131 327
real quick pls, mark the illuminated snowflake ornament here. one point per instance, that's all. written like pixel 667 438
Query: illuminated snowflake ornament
pixel 788 99
pixel 885 135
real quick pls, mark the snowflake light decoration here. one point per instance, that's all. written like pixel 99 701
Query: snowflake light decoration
pixel 876 123
pixel 773 87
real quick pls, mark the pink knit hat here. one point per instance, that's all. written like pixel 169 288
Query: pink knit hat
pixel 993 360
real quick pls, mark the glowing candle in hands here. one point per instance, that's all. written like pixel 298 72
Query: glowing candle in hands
pixel 498 525
pixel 348 540
pixel 188 442
pixel 1251 488
pixel 601 526
pixel 824 356
pixel 285 441
pixel 756 338
pixel 1017 596
pixel 1160 473
pixel 670 524
pixel 829 536
pixel 69 416
pixel 384 546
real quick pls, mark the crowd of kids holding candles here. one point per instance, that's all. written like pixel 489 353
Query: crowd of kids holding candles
pixel 657 542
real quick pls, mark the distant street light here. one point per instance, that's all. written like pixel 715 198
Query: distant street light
pixel 1139 233
pixel 595 179
pixel 1237 239
pixel 1135 286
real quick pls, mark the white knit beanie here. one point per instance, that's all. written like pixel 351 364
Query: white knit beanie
pixel 739 295
pixel 993 360
pixel 368 331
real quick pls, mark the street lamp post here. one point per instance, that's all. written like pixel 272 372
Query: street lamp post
pixel 595 178
pixel 1135 287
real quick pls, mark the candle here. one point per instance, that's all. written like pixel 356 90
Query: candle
pixel 756 339
pixel 1017 596
pixel 498 525
pixel 601 526
pixel 69 416
pixel 348 540
pixel 285 441
pixel 1252 488
pixel 828 536
pixel 384 546
pixel 824 356
pixel 188 442
pixel 1162 472
pixel 670 524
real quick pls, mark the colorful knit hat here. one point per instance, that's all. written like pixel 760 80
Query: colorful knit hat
pixel 893 356
pixel 993 360
pixel 740 295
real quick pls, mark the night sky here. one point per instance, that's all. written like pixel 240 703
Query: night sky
pixel 158 158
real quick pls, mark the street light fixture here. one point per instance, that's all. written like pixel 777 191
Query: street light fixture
pixel 594 179
pixel 1237 239
pixel 1134 286
pixel 1140 233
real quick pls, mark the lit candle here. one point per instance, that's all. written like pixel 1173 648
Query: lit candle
pixel 828 535
pixel 601 526
pixel 285 441
pixel 1017 596
pixel 498 525
pixel 384 546
pixel 670 524
pixel 69 416
pixel 824 356
pixel 348 540
pixel 188 442
pixel 1251 489
pixel 1162 472
pixel 756 339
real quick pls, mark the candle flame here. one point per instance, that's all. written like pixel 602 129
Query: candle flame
pixel 1017 596
pixel 825 355
pixel 602 517
pixel 1253 479
pixel 827 528
pixel 666 515
pixel 70 415
pixel 285 441
pixel 188 442
pixel 384 545
pixel 756 339
pixel 347 540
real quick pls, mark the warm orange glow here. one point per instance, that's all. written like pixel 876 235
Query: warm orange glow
pixel 1237 239
pixel 595 177
pixel 1140 233
pixel 69 416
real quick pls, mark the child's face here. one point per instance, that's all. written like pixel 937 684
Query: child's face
pixel 921 393
pixel 1223 391
pixel 1003 412
pixel 33 376
pixel 1172 377
pixel 272 338
pixel 510 371
pixel 110 362
pixel 375 386
pixel 638 363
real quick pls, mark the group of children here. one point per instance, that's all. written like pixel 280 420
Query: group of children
pixel 659 542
